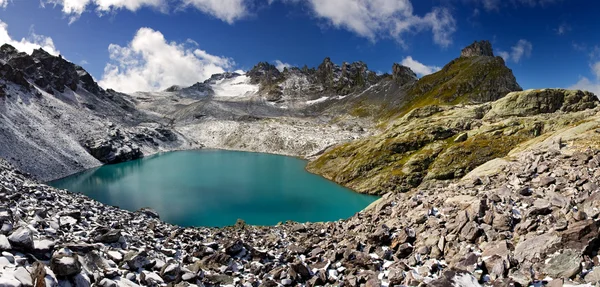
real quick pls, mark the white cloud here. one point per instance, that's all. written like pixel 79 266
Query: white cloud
pixel 419 68
pixel 490 5
pixel 590 85
pixel 563 29
pixel 596 69
pixel 496 5
pixel 375 19
pixel 28 44
pixel 3 3
pixel 281 65
pixel 74 8
pixel 521 50
pixel 226 10
pixel 150 63
pixel 587 85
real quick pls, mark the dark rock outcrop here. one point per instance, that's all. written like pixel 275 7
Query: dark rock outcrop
pixel 478 48
pixel 403 75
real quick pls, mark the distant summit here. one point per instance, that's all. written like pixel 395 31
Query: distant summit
pixel 478 48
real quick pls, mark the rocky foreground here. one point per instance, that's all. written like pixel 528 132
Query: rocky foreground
pixel 531 218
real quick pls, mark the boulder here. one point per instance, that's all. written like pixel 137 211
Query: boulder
pixel 64 263
pixel 22 238
pixel 564 265
pixel 533 102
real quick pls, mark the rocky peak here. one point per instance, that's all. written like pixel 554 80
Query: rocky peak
pixel 264 73
pixel 7 49
pixel 217 77
pixel 403 74
pixel 50 73
pixel 327 68
pixel 478 48
pixel 41 54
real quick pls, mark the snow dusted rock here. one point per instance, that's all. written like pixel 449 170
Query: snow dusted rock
pixel 23 276
pixel 118 147
pixel 136 260
pixel 8 280
pixel 149 212
pixel 4 244
pixel 64 263
pixel 22 237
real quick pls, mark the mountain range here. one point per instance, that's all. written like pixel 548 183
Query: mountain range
pixel 481 182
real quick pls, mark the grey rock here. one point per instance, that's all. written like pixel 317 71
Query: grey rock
pixel 461 138
pixel 4 243
pixel 564 265
pixel 593 277
pixel 111 236
pixel 136 260
pixel 64 263
pixel 22 237
pixel 536 247
pixel 23 276
pixel 9 281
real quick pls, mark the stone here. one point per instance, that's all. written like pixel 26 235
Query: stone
pixel 136 260
pixel 546 181
pixel 111 236
pixel 470 232
pixel 22 238
pixel 525 191
pixel 404 250
pixel 170 272
pixel 593 277
pixel 81 280
pixel 64 263
pixel 4 243
pixel 579 234
pixel 536 247
pixel 149 212
pixel 23 276
pixel 502 222
pixel 234 248
pixel 105 282
pixel 150 278
pixel 461 138
pixel 540 207
pixel 395 276
pixel 564 265
pixel 9 281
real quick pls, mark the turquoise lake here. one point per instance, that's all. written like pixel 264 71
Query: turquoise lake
pixel 216 187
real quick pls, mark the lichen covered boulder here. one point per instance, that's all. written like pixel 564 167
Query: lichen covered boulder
pixel 533 102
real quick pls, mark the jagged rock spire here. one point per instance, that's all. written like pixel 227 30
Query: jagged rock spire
pixel 478 48
pixel 403 74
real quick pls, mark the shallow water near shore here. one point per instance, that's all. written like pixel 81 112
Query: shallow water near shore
pixel 216 187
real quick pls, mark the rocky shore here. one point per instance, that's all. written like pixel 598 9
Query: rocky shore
pixel 531 218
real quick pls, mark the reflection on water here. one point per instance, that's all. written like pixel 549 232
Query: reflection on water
pixel 215 188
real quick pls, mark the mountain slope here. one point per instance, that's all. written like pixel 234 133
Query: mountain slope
pixel 57 121
pixel 446 142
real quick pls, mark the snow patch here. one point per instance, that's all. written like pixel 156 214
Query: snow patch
pixel 319 100
pixel 235 87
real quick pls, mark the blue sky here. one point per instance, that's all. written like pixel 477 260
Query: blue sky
pixel 151 44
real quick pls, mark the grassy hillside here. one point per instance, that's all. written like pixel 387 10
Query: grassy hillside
pixel 446 142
